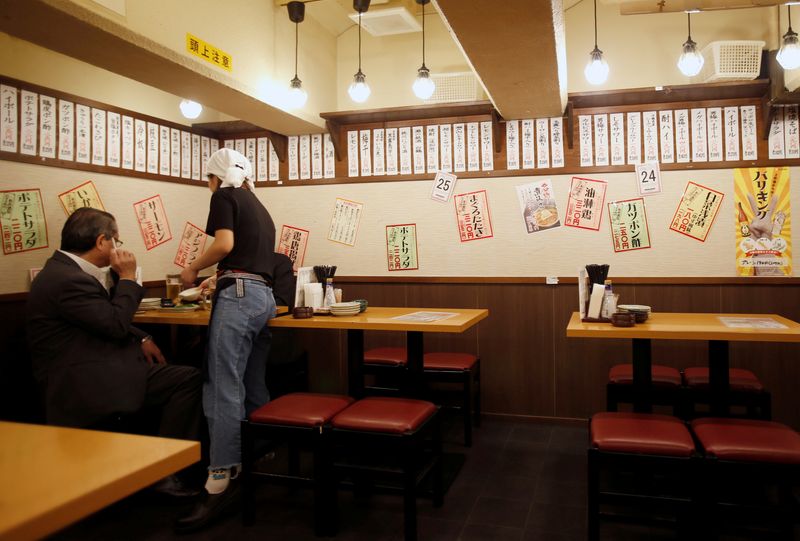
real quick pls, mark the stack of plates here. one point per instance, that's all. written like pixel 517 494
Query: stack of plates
pixel 641 311
pixel 345 308
pixel 152 303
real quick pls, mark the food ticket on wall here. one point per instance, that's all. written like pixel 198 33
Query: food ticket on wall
pixel 84 195
pixel 292 243
pixel 193 242
pixel 538 206
pixel 763 221
pixel 401 247
pixel 697 211
pixel 472 214
pixel 152 222
pixel 585 204
pixel 344 224
pixel 629 229
pixel 22 221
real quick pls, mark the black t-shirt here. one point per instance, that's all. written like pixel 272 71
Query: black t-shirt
pixel 239 210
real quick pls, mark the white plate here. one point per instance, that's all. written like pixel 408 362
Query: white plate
pixel 345 305
pixel 634 307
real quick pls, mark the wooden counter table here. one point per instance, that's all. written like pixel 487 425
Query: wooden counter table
pixel 687 326
pixel 378 318
pixel 56 476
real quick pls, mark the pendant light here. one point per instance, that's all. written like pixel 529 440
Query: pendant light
pixel 190 109
pixel 423 85
pixel 297 95
pixel 691 61
pixel 596 70
pixel 789 54
pixel 359 89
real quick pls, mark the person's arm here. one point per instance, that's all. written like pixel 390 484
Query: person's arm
pixel 221 247
pixel 83 303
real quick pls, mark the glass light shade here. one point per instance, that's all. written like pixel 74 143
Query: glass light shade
pixel 691 61
pixel 297 96
pixel 423 85
pixel 359 89
pixel 596 70
pixel 789 54
pixel 190 109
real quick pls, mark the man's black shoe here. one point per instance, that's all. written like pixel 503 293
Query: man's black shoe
pixel 210 507
pixel 173 487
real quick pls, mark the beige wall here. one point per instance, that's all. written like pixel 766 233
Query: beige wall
pixel 643 50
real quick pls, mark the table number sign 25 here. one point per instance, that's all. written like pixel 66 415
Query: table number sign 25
pixel 648 176
pixel 443 186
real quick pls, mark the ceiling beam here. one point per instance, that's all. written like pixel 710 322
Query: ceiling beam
pixel 67 28
pixel 641 7
pixel 517 49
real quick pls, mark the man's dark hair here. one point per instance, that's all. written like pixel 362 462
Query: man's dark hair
pixel 84 226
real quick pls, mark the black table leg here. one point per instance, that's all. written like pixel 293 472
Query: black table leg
pixel 718 377
pixel 415 368
pixel 642 376
pixel 355 360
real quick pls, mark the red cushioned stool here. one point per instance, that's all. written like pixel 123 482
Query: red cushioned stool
pixel 653 455
pixel 303 420
pixel 665 391
pixel 463 369
pixel 746 390
pixel 395 437
pixel 744 459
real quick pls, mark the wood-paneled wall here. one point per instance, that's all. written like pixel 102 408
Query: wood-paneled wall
pixel 529 367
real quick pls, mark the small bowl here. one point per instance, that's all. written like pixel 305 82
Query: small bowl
pixel 623 319
pixel 302 312
pixel 363 304
pixel 641 317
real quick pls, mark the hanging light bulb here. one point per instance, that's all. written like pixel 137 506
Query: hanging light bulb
pixel 297 97
pixel 190 109
pixel 691 61
pixel 596 70
pixel 359 89
pixel 789 54
pixel 423 85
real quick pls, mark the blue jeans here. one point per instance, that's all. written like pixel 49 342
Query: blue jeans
pixel 238 346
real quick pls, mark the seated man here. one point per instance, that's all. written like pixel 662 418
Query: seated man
pixel 89 361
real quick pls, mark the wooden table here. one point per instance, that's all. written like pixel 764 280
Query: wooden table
pixel 686 326
pixel 197 318
pixel 378 318
pixel 55 476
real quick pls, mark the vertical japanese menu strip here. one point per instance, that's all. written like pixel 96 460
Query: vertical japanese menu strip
pixel 432 147
pixel 714 134
pixel 585 137
pixel 83 137
pixel 195 157
pixel 542 143
pixel 749 137
pixel 418 142
pixel 378 159
pixel 512 144
pixel 330 157
pixel 459 147
pixel 98 137
pixel 634 138
pixel 601 140
pixel 365 152
pixel 66 130
pixel 29 114
pixel 650 131
pixel 391 151
pixel 446 138
pixel 791 140
pixel 274 163
pixel 316 156
pixel 205 153
pixel 617 138
pixel 699 136
pixel 528 139
pixel 473 142
pixel 667 139
pixel 304 157
pixel 128 142
pixel 113 139
pixel 487 146
pixel 8 118
pixel 352 153
pixel 261 159
pixel 683 153
pixel 291 155
pixel 47 126
pixel 731 134
pixel 151 160
pixel 404 140
pixel 186 154
pixel 557 141
pixel 164 150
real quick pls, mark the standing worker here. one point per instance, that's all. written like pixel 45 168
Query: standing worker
pixel 238 338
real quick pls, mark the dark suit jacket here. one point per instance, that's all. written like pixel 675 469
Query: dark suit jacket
pixel 86 355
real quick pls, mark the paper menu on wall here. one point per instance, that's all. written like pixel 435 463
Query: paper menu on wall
pixel 262 158
pixel 650 135
pixel 8 118
pixel 601 140
pixel 634 138
pixel 542 143
pixel 329 164
pixel 585 137
pixel 186 154
pixel 749 137
pixel 345 220
pixel 459 147
pixel 378 160
pixel 66 129
pixel 304 156
pixel 731 134
pixel 365 152
pixel 714 134
pixel 23 225
pixel 98 137
pixel 352 153
pixel 83 138
pixel 274 171
pixel 557 141
pixel 205 153
pixel 699 137
pixel 129 142
pixel 175 152
pixel 432 147
pixel 616 133
pixel 47 126
pixel 251 153
pixel 196 158
pixel 292 242
pixel 228 143
pixel 776 141
pixel 291 157
pixel 666 136
pixel 151 159
pixel 683 152
pixel 473 147
pixel 164 150
pixel 446 140
pixel 29 119
pixel 239 146
pixel 404 143
pixel 316 156
pixel 113 139
pixel 528 140
pixel 487 150
pixel 790 132
pixel 418 146
pixel 391 151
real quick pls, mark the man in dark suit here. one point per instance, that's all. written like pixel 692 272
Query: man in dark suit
pixel 90 362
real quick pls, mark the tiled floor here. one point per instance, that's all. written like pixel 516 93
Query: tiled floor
pixel 519 482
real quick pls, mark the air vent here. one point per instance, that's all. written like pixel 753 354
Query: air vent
pixel 388 21
pixel 458 86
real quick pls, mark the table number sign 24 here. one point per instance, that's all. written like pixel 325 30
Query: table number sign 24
pixel 648 176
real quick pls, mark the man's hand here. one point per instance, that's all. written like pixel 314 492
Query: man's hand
pixel 188 277
pixel 209 283
pixel 152 353
pixel 124 263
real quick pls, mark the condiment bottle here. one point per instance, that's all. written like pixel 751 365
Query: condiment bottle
pixel 744 227
pixel 608 300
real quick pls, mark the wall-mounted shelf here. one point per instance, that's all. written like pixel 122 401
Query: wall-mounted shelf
pixel 236 127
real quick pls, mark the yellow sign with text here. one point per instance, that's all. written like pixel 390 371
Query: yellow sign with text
pixel 208 52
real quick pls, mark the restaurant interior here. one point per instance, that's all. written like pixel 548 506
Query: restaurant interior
pixel 482 156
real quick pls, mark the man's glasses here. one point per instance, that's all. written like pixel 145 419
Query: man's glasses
pixel 117 243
